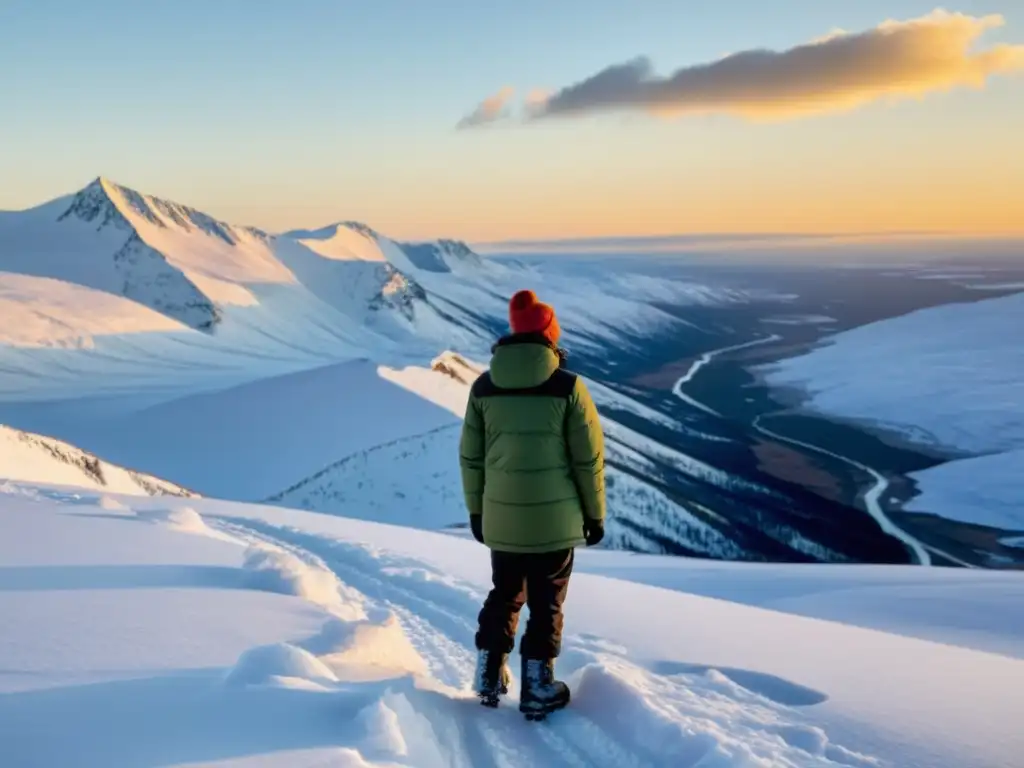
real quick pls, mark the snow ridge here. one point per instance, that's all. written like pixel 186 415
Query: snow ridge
pixel 29 457
pixel 441 256
pixel 427 494
pixel 107 201
pixel 331 230
pixel 94 204
pixel 195 268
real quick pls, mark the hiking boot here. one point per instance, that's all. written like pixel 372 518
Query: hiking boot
pixel 492 677
pixel 541 692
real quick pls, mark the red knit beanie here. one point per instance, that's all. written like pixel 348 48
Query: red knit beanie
pixel 527 315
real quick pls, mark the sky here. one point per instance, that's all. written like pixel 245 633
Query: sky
pixel 489 121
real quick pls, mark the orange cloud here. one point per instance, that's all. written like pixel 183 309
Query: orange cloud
pixel 490 110
pixel 835 72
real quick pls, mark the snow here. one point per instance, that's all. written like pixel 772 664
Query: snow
pixel 985 490
pixel 35 458
pixel 997 287
pixel 605 397
pixel 413 481
pixel 285 356
pixel 799 320
pixel 253 440
pixel 227 304
pixel 445 391
pixel 52 313
pixel 131 322
pixel 141 644
pixel 341 243
pixel 936 604
pixel 948 379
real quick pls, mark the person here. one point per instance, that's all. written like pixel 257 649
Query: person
pixel 532 465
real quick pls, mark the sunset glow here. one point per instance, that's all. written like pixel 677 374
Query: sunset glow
pixel 596 122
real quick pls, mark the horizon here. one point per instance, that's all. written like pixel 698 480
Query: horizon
pixel 535 132
pixel 667 243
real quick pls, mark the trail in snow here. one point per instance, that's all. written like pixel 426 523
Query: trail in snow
pixel 440 721
pixel 707 357
pixel 318 640
pixel 434 614
pixel 443 638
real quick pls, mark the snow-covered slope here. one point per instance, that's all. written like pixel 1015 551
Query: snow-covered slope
pixel 250 441
pixel 93 239
pixel 34 458
pixel 241 363
pixel 261 304
pixel 411 477
pixel 213 633
pixel 949 378
pixel 194 268
pixel 415 481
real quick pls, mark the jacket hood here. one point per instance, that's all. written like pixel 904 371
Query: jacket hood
pixel 524 360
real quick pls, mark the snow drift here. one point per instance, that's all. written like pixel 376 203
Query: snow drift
pixel 179 658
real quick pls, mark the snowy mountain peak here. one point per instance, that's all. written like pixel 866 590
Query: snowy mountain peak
pixel 199 271
pixel 113 203
pixel 107 203
pixel 331 230
pixel 442 256
pixel 94 203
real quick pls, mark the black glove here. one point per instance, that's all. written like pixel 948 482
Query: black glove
pixel 593 532
pixel 476 524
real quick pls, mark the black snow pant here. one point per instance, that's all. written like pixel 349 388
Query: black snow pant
pixel 540 581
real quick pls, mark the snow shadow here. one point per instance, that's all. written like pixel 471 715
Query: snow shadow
pixel 773 688
pixel 166 720
pixel 254 440
pixel 44 578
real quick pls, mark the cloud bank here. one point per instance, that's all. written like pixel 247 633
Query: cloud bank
pixel 837 72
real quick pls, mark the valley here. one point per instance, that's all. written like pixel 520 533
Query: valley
pixel 825 467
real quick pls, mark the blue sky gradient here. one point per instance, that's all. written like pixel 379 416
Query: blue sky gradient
pixel 296 114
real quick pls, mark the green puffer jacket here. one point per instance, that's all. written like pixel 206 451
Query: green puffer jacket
pixel 532 451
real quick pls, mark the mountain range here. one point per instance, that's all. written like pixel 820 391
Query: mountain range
pixel 327 370
pixel 249 365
